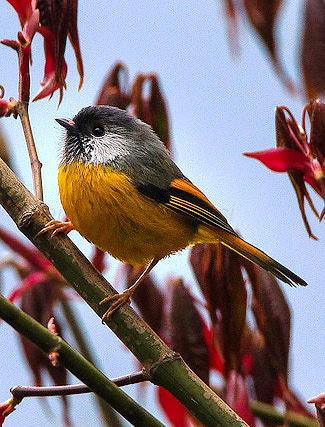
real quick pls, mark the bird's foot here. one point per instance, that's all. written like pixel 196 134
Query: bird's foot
pixel 57 227
pixel 119 301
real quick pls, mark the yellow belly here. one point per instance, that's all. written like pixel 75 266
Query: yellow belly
pixel 106 209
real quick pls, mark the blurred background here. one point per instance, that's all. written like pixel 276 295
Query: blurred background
pixel 220 106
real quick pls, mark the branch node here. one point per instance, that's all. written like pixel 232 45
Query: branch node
pixel 164 358
pixel 27 217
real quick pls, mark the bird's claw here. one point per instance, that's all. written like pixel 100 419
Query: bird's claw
pixel 57 227
pixel 119 301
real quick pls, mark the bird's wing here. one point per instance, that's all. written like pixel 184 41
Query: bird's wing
pixel 184 198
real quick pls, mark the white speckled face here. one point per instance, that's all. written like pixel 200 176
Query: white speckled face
pixel 110 136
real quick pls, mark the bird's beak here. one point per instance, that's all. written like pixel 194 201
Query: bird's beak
pixel 68 124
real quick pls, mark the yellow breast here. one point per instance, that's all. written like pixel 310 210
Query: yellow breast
pixel 105 207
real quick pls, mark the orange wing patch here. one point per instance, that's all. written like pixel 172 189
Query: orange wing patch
pixel 187 199
pixel 187 186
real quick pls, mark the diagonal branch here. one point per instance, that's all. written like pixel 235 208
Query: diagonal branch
pixel 76 364
pixel 163 366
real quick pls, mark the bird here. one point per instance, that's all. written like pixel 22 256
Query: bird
pixel 121 190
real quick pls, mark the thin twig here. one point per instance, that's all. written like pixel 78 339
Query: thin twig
pixel 33 157
pixel 19 392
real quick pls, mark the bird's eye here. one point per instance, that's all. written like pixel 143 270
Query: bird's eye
pixel 98 130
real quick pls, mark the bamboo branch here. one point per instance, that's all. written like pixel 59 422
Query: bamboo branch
pixel 109 416
pixel 163 366
pixel 76 364
pixel 268 413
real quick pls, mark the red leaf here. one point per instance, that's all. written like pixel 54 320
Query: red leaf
pixel 173 409
pixel 262 15
pixel 232 21
pixel 237 397
pixel 113 91
pixel 282 159
pixel 54 75
pixel 273 317
pixel 32 255
pixel 147 297
pixel 216 361
pixel 30 281
pixel 185 333
pixel 312 49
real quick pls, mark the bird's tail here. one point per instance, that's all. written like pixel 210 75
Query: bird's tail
pixel 257 256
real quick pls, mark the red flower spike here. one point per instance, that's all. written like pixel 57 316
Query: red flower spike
pixel 303 160
pixel 237 397
pixel 185 333
pixel 113 91
pixel 173 409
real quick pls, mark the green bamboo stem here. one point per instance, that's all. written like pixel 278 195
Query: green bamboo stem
pixel 109 416
pixel 269 414
pixel 76 364
pixel 164 367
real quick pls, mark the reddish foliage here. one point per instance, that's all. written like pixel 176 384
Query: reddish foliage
pixel 55 21
pixel 185 329
pixel 173 409
pixel 152 109
pixel 300 157
pixel 237 397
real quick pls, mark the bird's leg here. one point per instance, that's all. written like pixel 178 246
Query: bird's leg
pixel 57 227
pixel 124 297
